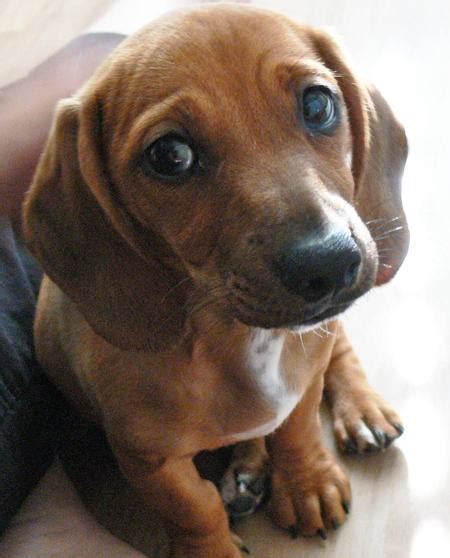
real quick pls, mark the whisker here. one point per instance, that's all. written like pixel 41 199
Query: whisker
pixel 215 295
pixel 326 331
pixel 170 291
pixel 381 227
pixel 389 233
pixel 382 220
pixel 303 345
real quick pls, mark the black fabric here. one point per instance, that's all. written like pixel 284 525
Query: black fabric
pixel 30 408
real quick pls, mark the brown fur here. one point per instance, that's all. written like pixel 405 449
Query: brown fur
pixel 142 313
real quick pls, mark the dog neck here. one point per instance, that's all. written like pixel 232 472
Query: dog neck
pixel 255 363
pixel 272 381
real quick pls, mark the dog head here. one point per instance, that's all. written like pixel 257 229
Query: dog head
pixel 224 155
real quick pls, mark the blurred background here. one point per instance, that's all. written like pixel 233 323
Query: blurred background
pixel 401 331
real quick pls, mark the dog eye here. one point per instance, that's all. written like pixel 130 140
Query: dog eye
pixel 170 156
pixel 320 114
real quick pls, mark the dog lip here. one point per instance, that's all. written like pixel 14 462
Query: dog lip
pixel 330 312
pixel 267 321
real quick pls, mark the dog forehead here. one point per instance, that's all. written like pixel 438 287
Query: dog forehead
pixel 213 29
pixel 209 45
pixel 229 58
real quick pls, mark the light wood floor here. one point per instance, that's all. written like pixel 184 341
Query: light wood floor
pixel 402 331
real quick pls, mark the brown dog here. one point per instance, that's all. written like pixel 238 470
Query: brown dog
pixel 203 204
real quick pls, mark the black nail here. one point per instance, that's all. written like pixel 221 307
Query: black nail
pixel 370 449
pixel 245 549
pixel 322 534
pixel 346 507
pixel 379 436
pixel 293 531
pixel 350 446
pixel 400 429
pixel 335 524
pixel 388 440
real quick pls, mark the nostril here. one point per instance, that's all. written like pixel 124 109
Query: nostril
pixel 351 274
pixel 315 289
pixel 318 267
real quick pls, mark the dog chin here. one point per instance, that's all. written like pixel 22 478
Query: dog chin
pixel 320 319
pixel 304 328
pixel 302 325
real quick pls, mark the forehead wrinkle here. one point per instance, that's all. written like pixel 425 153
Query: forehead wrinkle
pixel 291 73
pixel 181 108
pixel 238 87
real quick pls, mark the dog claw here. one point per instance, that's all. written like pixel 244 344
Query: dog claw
pixel 371 449
pixel 321 533
pixel 346 507
pixel 370 439
pixel 380 437
pixel 294 532
pixel 350 446
pixel 400 429
pixel 240 544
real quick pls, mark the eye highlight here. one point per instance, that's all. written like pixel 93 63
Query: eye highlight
pixel 170 157
pixel 319 110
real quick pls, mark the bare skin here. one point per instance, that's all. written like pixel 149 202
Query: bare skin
pixel 26 110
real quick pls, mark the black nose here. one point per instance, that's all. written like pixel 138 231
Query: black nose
pixel 315 267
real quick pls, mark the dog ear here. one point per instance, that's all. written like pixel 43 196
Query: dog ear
pixel 87 246
pixel 379 200
pixel 379 151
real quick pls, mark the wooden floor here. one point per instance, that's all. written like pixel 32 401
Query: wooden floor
pixel 402 331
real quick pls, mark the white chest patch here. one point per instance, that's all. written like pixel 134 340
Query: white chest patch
pixel 264 365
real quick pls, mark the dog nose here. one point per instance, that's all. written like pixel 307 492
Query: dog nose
pixel 318 266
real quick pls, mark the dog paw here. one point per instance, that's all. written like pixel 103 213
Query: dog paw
pixel 243 549
pixel 365 424
pixel 243 488
pixel 310 496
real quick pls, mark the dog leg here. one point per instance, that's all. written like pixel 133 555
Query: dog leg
pixel 310 492
pixel 363 422
pixel 190 506
pixel 245 482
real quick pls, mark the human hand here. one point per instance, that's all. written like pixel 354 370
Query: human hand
pixel 26 109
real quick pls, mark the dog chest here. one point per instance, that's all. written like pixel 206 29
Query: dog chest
pixel 269 380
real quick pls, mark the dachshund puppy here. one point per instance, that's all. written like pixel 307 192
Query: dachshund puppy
pixel 219 189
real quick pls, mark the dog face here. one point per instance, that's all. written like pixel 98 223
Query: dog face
pixel 223 157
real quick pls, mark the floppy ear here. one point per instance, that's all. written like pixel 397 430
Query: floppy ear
pixel 379 155
pixel 379 200
pixel 89 249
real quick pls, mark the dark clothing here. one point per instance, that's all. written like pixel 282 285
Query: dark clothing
pixel 30 408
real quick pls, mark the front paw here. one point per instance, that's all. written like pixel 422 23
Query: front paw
pixel 309 495
pixel 364 423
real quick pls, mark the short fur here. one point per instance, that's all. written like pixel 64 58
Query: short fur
pixel 155 293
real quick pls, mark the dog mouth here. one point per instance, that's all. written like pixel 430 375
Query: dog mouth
pixel 327 314
pixel 273 318
pixel 262 301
